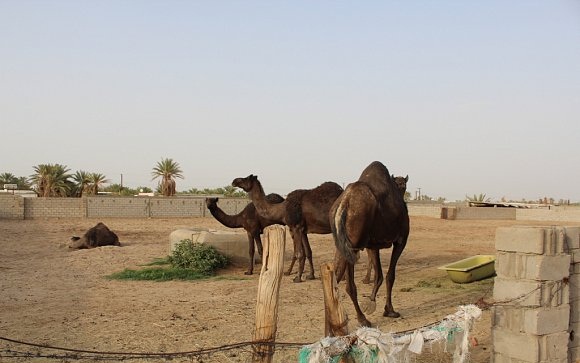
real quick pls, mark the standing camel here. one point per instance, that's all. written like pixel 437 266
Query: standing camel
pixel 371 213
pixel 303 211
pixel 247 219
pixel 402 186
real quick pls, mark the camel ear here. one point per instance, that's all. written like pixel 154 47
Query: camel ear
pixel 407 178
pixel 216 199
pixel 393 176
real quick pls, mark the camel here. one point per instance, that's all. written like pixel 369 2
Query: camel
pixel 303 211
pixel 247 219
pixel 372 214
pixel 402 186
pixel 99 235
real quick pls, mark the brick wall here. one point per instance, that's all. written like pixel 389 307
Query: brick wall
pixel 11 207
pixel 536 295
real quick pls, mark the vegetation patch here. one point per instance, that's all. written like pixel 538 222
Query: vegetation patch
pixel 189 261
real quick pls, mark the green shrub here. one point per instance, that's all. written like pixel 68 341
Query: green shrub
pixel 198 257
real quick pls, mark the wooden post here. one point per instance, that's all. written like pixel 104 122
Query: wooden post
pixel 268 289
pixel 336 321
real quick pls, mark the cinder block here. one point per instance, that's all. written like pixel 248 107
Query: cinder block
pixel 508 317
pixel 531 266
pixel 520 346
pixel 520 292
pixel 572 237
pixel 520 239
pixel 553 267
pixel 554 346
pixel 546 321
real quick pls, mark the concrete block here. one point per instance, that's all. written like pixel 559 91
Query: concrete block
pixel 554 346
pixel 520 239
pixel 552 267
pixel 531 266
pixel 546 321
pixel 572 237
pixel 520 346
pixel 234 245
pixel 508 317
pixel 517 292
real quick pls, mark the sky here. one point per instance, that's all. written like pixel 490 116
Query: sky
pixel 464 97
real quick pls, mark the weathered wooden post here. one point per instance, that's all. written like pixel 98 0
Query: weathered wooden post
pixel 336 321
pixel 268 289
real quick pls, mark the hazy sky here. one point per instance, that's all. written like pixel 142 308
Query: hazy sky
pixel 465 97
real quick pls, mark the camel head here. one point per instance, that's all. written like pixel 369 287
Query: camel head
pixel 401 183
pixel 246 183
pixel 211 202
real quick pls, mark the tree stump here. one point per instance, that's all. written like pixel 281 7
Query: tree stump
pixel 268 292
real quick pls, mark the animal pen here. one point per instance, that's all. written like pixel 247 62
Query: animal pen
pixel 534 305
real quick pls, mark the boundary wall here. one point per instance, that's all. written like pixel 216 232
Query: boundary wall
pixel 116 207
pixel 18 207
pixel 536 310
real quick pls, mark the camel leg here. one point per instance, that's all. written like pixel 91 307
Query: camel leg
pixel 301 256
pixel 375 261
pixel 296 251
pixel 251 254
pixel 398 247
pixel 308 255
pixel 351 291
pixel 339 266
pixel 258 240
pixel 367 278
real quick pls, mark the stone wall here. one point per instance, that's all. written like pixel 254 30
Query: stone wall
pixel 536 307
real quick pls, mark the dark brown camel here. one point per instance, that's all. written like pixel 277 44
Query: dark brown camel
pixel 371 213
pixel 303 211
pixel 99 235
pixel 402 186
pixel 247 219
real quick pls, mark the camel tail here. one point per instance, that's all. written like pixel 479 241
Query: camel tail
pixel 341 240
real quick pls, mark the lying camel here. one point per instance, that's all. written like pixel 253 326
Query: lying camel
pixel 99 235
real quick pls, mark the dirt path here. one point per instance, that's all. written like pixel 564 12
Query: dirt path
pixel 52 296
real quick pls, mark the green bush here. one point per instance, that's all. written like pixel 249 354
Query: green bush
pixel 198 257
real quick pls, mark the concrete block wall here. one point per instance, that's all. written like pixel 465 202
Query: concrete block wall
pixel 554 213
pixel 17 207
pixel 480 213
pixel 536 295
pixel 11 207
pixel 54 208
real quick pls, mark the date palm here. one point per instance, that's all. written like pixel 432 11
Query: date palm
pixel 167 170
pixel 96 181
pixel 82 181
pixel 51 180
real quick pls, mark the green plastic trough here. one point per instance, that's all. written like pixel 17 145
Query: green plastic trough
pixel 471 269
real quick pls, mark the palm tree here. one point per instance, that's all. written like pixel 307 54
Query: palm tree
pixel 82 180
pixel 478 198
pixel 51 180
pixel 8 178
pixel 167 170
pixel 96 181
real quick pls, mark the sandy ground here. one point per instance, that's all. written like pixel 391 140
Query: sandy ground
pixel 52 296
